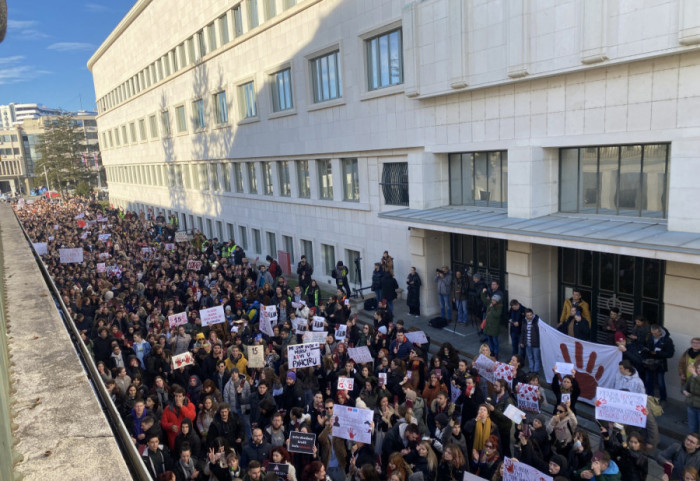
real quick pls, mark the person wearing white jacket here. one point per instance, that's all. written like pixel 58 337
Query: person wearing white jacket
pixel 627 379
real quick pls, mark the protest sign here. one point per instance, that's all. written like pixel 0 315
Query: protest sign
pixel 303 355
pixel 301 442
pixel 213 315
pixel 529 398
pixel 181 236
pixel 353 423
pixel 486 368
pixel 565 397
pixel 455 392
pixel 514 414
pixel 346 383
pixel 169 246
pixel 564 368
pixel 472 477
pixel 84 235
pixel 82 224
pixel 193 265
pixel 504 371
pixel 71 256
pixel 177 319
pixel 41 248
pixel 182 360
pixel 382 378
pixel 103 255
pixel 103 237
pixel 299 324
pixel 516 471
pixel 256 357
pixel 417 337
pixel 315 337
pixel 101 218
pixel 622 407
pixel 360 354
pixel 148 250
pixel 56 227
pixel 279 469
pixel 340 331
pixel 265 324
pixel 79 216
pixel 101 267
pixel 270 314
pixel 319 323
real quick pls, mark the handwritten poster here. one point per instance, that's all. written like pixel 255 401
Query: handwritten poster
pixel 177 319
pixel 303 355
pixel 71 256
pixel 256 357
pixel 516 471
pixel 417 337
pixel 622 407
pixel 213 315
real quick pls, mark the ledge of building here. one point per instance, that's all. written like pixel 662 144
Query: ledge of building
pixel 60 429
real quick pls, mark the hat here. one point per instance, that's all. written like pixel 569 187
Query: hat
pixel 600 456
pixel 559 461
pixel 477 276
pixel 619 337
pixel 292 375
pixel 228 308
pixel 541 419
pixel 382 329
pixel 496 297
pixel 442 419
pixel 410 395
pixel 199 336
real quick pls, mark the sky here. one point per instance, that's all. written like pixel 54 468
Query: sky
pixel 43 58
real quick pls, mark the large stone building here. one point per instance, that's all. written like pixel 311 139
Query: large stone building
pixel 547 144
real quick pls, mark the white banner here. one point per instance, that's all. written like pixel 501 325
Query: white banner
pixel 353 423
pixel 71 256
pixel 182 360
pixel 516 471
pixel 486 367
pixel 213 315
pixel 622 407
pixel 177 319
pixel 417 337
pixel 303 355
pixel 315 337
pixel 41 248
pixel 595 364
pixel 360 354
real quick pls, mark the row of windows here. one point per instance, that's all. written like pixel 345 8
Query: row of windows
pixel 8 138
pixel 9 151
pixel 242 177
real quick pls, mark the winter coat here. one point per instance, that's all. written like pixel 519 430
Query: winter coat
pixel 534 332
pixel 444 284
pixel 661 348
pixel 171 418
pixel 389 286
pixel 493 316
pixel 692 385
pixel 230 430
pixel 631 383
pixel 237 402
pixel 413 284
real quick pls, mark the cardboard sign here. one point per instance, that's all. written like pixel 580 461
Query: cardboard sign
pixel 256 357
pixel 193 265
pixel 564 368
pixel 303 355
pixel 213 315
pixel 516 471
pixel 346 383
pixel 622 407
pixel 360 354
pixel 71 256
pixel 181 236
pixel 504 371
pixel 41 248
pixel 319 323
pixel 486 368
pixel 315 337
pixel 340 332
pixel 301 442
pixel 417 337
pixel 104 237
pixel 182 360
pixel 529 398
pixel 177 319
pixel 101 267
pixel 514 414
pixel 352 423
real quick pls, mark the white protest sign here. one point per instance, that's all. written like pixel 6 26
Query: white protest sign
pixel 516 471
pixel 256 357
pixel 71 256
pixel 486 368
pixel 564 368
pixel 622 407
pixel 382 378
pixel 340 332
pixel 41 248
pixel 56 227
pixel 177 319
pixel 504 371
pixel 319 324
pixel 193 265
pixel 104 237
pixel 213 315
pixel 303 355
pixel 346 383
pixel 104 255
pixel 181 236
pixel 360 354
pixel 169 247
pixel 84 235
pixel 79 216
pixel 417 337
pixel 101 267
pixel 148 250
pixel 565 397
pixel 299 325
pixel 101 218
pixel 264 323
pixel 353 423
pixel 529 398
pixel 51 237
pixel 182 360
pixel 472 477
pixel 315 337
pixel 455 392
pixel 514 414
pixel 269 313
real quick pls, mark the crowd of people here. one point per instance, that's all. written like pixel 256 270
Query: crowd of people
pixel 221 419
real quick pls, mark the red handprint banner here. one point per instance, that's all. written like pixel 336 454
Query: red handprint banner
pixel 595 364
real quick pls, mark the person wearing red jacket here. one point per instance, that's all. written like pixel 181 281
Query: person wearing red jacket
pixel 179 409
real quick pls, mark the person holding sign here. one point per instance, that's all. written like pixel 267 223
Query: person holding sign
pixel 568 388
pixel 280 456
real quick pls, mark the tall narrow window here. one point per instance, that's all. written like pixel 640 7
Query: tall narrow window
pixel 325 77
pixel 165 122
pixel 351 183
pixel 288 246
pixel 257 241
pixel 132 132
pixel 211 36
pixel 253 18
pixel 395 183
pixel 202 43
pixel 154 126
pixel 247 100
pixel 243 237
pixel 384 60
pixel 479 178
pixel 272 244
pixel 307 249
pixel 270 9
pixel 267 178
pixel 223 29
pixel 221 108
pixel 281 83
pixel 325 179
pixel 238 20
pixel 180 119
pixel 226 177
pixel 252 180
pixel 303 179
pixel 142 129
pixel 328 253
pixel 199 118
pixel 238 174
pixel 204 183
pixel 283 170
pixel 214 170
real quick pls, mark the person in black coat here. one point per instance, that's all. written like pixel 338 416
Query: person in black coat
pixel 256 450
pixel 389 286
pixel 228 426
pixel 413 284
pixel 659 348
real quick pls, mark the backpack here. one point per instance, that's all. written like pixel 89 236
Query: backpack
pixel 654 406
pixel 371 304
pixel 438 322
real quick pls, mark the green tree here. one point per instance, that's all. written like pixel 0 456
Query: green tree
pixel 61 149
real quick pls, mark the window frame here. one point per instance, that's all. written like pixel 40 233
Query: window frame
pixel 458 180
pixel 370 65
pixel 181 119
pixel 282 94
pixel 199 115
pixel 351 187
pixel 246 89
pixel 303 188
pixel 325 193
pixel 284 178
pixel 315 76
pixel 221 116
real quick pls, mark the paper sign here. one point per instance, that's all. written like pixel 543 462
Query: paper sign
pixel 301 442
pixel 101 218
pixel 564 368
pixel 516 471
pixel 455 392
pixel 472 477
pixel 149 250
pixel 565 398
pixel 319 323
pixel 346 383
pixel 182 360
pixel 71 256
pixel 41 248
pixel 353 423
pixel 256 357
pixel 417 337
pixel 181 236
pixel 529 398
pixel 104 255
pixel 169 247
pixel 360 354
pixel 101 267
pixel 303 355
pixel 504 371
pixel 103 237
pixel 264 323
pixel 382 378
pixel 79 216
pixel 194 265
pixel 84 235
pixel 315 337
pixel 514 414
pixel 213 315
pixel 340 331
pixel 299 325
pixel 270 314
pixel 177 319
pixel 486 368
pixel 56 227
pixel 622 407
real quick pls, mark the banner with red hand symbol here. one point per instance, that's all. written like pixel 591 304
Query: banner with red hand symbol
pixel 622 407
pixel 182 360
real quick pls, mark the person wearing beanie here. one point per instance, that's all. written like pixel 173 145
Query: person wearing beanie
pixel 492 321
pixel 292 395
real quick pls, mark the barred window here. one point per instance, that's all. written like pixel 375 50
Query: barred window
pixel 395 183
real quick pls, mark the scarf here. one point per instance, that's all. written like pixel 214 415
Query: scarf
pixel 187 469
pixel 481 433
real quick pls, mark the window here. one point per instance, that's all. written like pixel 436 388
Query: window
pixel 202 43
pixel 629 180
pixel 199 119
pixel 180 119
pixel 142 129
pixel 200 224
pixel 270 9
pixel 190 50
pixel 272 244
pixel 125 139
pixel 288 245
pixel 182 52
pixel 351 182
pixel 303 179
pixel 384 60
pixel 243 237
pixel 350 256
pixel 237 20
pixel 282 90
pixel 247 100
pixel 210 230
pixel 253 19
pixel 211 34
pixel 395 183
pixel 166 65
pixel 132 131
pixel 215 177
pixel 220 230
pixel 188 181
pixel 195 177
pixel 479 178
pixel 328 254
pixel 178 176
pixel 221 108
pixel 154 126
pixel 238 174
pixel 252 180
pixel 267 178
pixel 231 231
pixel 307 249
pixel 325 78
pixel 111 139
pixel 289 3
pixel 175 58
pixel 165 121
pixel 223 29
pixel 204 183
pixel 325 179
pixel 226 177
pixel 257 243
pixel 283 171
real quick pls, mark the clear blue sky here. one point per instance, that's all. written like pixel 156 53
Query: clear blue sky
pixel 44 56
